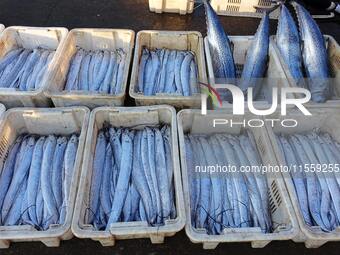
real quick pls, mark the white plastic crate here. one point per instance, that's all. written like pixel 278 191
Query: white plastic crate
pixel 175 6
pixel 128 117
pixel 326 119
pixel 174 40
pixel 274 77
pixel 2 110
pixel 283 216
pixel 43 121
pixel 2 27
pixel 245 8
pixel 88 39
pixel 333 50
pixel 29 38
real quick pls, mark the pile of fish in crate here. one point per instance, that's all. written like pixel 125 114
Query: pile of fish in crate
pixel 27 55
pixel 41 155
pixel 34 191
pixel 130 186
pixel 168 68
pixel 231 205
pixel 311 152
pixel 309 63
pixel 128 161
pixel 91 68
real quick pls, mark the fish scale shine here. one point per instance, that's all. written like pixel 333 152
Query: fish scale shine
pixel 220 46
pixel 289 44
pixel 314 54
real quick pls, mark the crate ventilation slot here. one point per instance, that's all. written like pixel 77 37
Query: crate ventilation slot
pixel 231 8
pixel 239 69
pixel 4 148
pixel 264 3
pixel 261 147
pixel 274 198
pixel 336 61
pixel 234 1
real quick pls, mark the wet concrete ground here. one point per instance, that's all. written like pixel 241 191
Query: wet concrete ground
pixel 135 15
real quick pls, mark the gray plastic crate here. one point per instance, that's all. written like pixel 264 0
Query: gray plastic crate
pixel 175 40
pixel 173 6
pixel 43 121
pixel 326 119
pixel 286 226
pixel 89 39
pixel 128 117
pixel 246 8
pixel 29 38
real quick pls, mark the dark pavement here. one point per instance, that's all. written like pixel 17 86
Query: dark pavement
pixel 131 14
pixel 135 15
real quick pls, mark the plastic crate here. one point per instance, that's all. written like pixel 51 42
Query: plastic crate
pixel 2 110
pixel 245 8
pixel 29 38
pixel 128 117
pixel 326 119
pixel 242 8
pixel 173 6
pixel 174 40
pixel 43 121
pixel 2 27
pixel 283 216
pixel 333 50
pixel 275 76
pixel 88 39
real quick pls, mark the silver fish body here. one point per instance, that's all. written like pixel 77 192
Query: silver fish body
pixel 220 46
pixel 289 44
pixel 255 64
pixel 314 54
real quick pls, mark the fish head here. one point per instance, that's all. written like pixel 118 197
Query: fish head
pixel 41 139
pixel 19 139
pixel 327 137
pixel 31 141
pixel 61 140
pixel 101 135
pixel 150 132
pixel 74 138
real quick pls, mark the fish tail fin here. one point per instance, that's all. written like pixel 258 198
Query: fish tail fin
pixel 293 3
pixel 199 2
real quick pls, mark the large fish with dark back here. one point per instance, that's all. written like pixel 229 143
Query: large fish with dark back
pixel 314 54
pixel 289 44
pixel 219 45
pixel 255 65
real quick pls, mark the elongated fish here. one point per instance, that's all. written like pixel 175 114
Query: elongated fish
pixel 123 178
pixel 98 166
pixel 8 169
